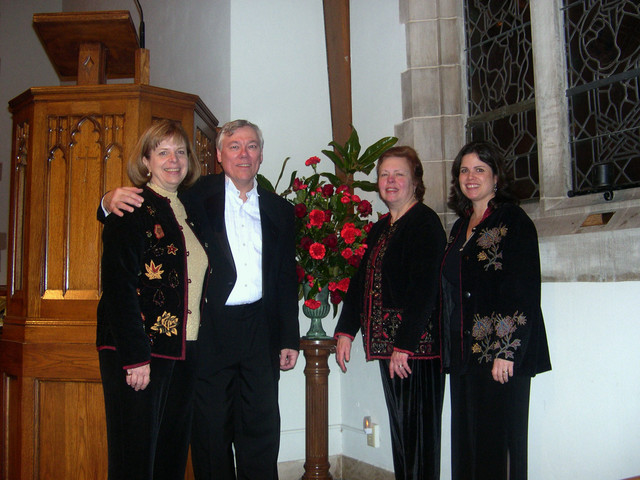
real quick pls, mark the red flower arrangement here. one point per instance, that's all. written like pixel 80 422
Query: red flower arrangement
pixel 331 221
pixel 331 227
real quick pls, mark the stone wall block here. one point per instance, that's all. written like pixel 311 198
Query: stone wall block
pixel 422 44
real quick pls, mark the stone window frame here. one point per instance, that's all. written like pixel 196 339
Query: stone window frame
pixel 582 238
pixel 607 249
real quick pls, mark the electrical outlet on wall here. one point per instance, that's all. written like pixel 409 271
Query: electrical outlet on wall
pixel 373 438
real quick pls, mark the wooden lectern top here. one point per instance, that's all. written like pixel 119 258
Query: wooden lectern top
pixel 62 34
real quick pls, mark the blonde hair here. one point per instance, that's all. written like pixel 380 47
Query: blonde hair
pixel 164 129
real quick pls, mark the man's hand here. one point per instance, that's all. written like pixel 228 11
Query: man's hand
pixel 288 358
pixel 122 199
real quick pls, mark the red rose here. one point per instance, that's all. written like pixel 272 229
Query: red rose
pixel 300 210
pixel 349 233
pixel 343 284
pixel 312 303
pixel 298 185
pixel 310 280
pixel 365 208
pixel 316 218
pixel 331 241
pixel 312 161
pixel 354 261
pixel 347 253
pixel 335 297
pixel 317 251
pixel 305 243
pixel 300 273
pixel 327 190
pixel 367 227
pixel 332 286
pixel 342 188
pixel 360 251
pixel 345 198
pixel 355 198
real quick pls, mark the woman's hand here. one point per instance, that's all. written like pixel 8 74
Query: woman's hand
pixel 502 370
pixel 398 365
pixel 343 351
pixel 138 378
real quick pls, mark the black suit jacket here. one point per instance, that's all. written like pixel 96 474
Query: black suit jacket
pixel 205 200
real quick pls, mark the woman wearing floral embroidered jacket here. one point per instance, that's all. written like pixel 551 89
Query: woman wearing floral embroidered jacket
pixel 391 298
pixel 153 271
pixel 494 338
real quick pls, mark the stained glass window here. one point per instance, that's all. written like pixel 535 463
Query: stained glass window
pixel 603 68
pixel 501 95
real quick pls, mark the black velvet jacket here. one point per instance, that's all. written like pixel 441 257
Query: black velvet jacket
pixel 499 295
pixel 393 302
pixel 143 308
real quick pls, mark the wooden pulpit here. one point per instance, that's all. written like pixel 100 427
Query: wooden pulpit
pixel 71 144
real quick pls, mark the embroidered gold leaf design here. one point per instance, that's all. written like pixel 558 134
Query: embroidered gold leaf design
pixel 154 272
pixel 166 324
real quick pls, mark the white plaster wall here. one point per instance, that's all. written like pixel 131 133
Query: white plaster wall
pixel 585 414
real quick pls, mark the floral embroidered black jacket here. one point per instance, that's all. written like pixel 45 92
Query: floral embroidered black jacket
pixel 143 308
pixel 499 295
pixel 392 300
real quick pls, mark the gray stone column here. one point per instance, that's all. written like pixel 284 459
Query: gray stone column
pixel 433 97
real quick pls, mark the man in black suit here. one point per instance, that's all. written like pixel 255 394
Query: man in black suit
pixel 249 330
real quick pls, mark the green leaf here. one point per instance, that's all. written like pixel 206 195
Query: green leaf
pixel 371 154
pixel 335 158
pixel 334 179
pixel 353 149
pixel 264 183
pixel 289 189
pixel 365 185
pixel 284 164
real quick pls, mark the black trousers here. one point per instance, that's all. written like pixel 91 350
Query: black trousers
pixel 148 431
pixel 236 424
pixel 489 427
pixel 415 418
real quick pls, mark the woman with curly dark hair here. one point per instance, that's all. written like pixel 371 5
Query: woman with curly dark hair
pixel 494 337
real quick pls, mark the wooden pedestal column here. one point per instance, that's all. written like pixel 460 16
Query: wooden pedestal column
pixel 316 371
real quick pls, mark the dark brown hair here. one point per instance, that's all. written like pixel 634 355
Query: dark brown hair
pixel 492 156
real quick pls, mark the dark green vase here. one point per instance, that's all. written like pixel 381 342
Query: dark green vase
pixel 316 331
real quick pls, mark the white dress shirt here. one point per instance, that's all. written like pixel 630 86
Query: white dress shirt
pixel 244 232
